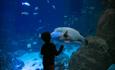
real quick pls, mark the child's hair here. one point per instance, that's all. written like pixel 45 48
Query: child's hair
pixel 46 36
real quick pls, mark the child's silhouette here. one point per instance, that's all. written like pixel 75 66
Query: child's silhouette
pixel 49 51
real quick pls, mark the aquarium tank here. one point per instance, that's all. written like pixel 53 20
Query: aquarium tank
pixel 23 21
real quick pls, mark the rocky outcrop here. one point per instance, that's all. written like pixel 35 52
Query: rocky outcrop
pixel 99 54
pixel 93 56
pixel 106 30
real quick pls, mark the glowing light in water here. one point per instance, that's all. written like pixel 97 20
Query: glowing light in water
pixel 32 61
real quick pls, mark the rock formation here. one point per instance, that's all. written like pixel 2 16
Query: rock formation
pixel 93 56
pixel 106 30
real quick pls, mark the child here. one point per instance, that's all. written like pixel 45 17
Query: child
pixel 49 51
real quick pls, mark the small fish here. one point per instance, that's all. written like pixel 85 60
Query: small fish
pixel 25 13
pixel 53 6
pixel 36 8
pixel 29 45
pixel 34 64
pixel 26 3
pixel 35 13
pixel 48 1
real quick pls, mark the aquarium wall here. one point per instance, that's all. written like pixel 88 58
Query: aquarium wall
pixel 23 21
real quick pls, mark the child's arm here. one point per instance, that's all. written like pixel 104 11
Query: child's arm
pixel 60 50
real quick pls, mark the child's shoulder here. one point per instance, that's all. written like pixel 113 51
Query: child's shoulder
pixel 52 44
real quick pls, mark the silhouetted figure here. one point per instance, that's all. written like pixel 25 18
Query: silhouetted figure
pixel 49 51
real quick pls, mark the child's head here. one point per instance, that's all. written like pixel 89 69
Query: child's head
pixel 46 37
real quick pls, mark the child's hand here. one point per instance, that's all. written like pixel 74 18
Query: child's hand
pixel 61 48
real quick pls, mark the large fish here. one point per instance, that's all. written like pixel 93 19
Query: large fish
pixel 67 34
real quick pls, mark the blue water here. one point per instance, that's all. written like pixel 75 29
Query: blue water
pixel 22 22
pixel 33 60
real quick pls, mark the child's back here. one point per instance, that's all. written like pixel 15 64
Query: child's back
pixel 49 51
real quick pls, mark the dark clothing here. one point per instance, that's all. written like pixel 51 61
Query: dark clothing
pixel 49 52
